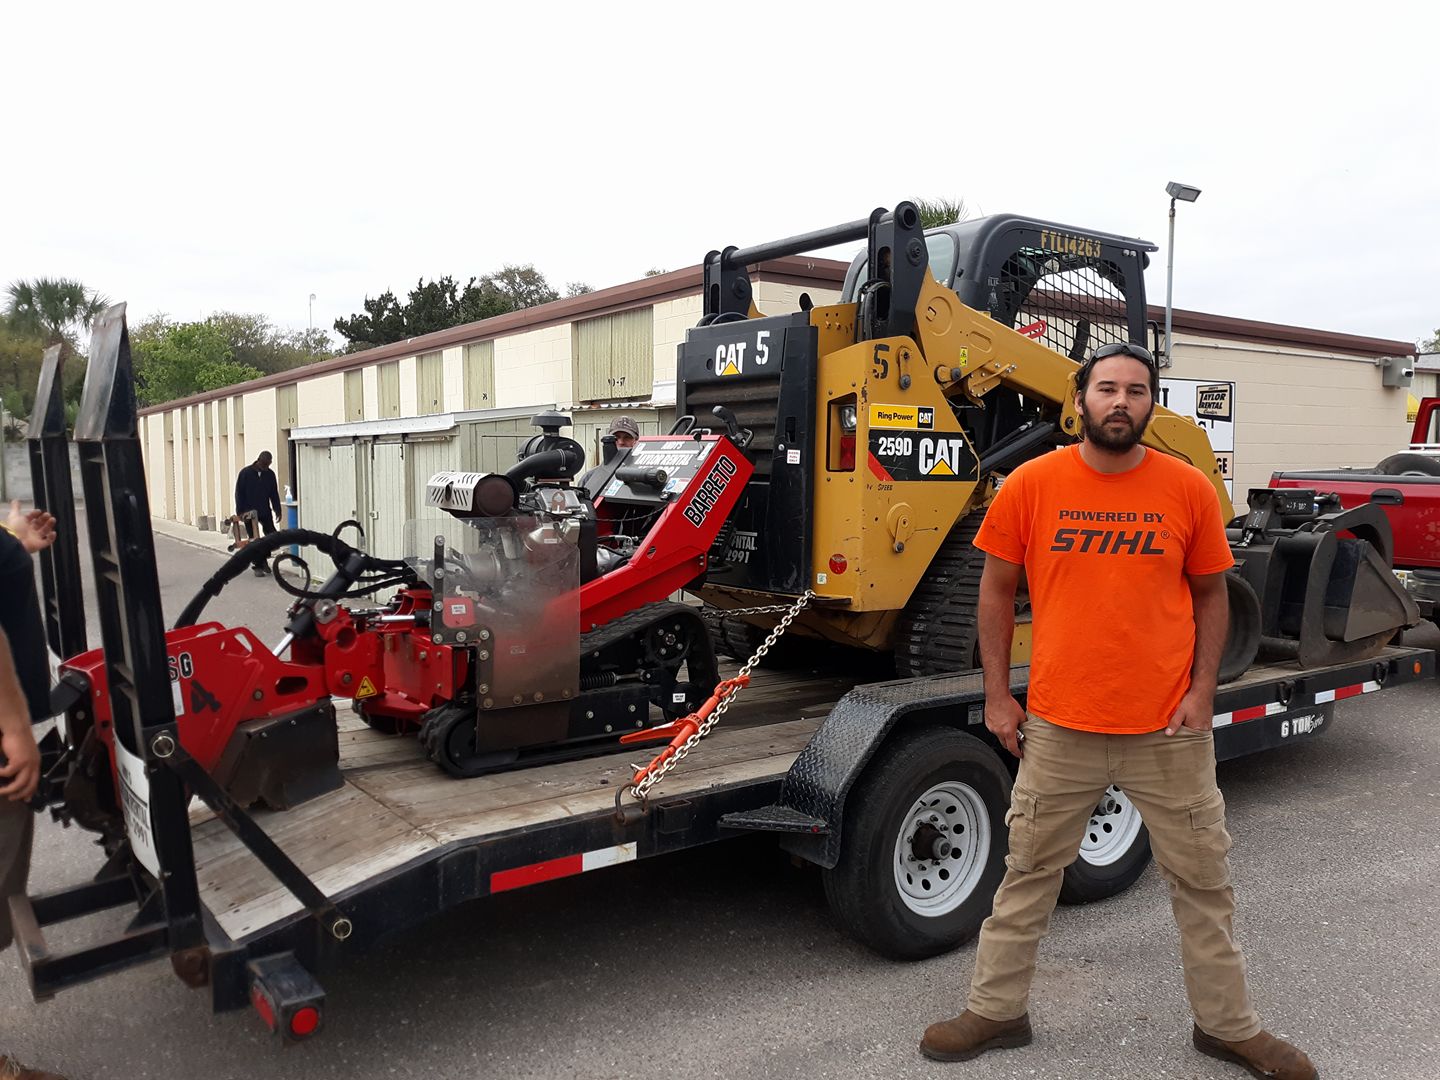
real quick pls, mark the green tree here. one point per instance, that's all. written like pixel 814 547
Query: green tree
pixel 52 311
pixel 255 341
pixel 174 360
pixel 57 309
pixel 20 356
pixel 1433 345
pixel 578 288
pixel 441 304
pixel 937 212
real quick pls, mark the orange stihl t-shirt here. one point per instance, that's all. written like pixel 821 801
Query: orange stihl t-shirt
pixel 1106 557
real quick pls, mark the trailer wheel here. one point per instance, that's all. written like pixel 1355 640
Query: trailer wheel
pixel 1113 854
pixel 924 843
pixel 1409 464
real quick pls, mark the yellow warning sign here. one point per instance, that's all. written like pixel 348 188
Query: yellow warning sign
pixel 902 416
pixel 730 368
pixel 941 468
pixel 367 688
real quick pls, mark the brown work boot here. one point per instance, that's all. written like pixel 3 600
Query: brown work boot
pixel 970 1035
pixel 10 1069
pixel 1261 1055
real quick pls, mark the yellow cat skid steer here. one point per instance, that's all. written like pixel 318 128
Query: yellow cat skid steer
pixel 884 424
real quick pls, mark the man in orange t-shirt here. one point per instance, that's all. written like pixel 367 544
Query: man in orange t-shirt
pixel 1124 553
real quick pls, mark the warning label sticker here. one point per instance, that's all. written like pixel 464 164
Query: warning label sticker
pixel 135 804
pixel 366 688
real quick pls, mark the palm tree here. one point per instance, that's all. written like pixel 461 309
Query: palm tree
pixel 937 212
pixel 57 309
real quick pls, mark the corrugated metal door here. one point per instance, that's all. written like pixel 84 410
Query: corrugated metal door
pixel 287 407
pixel 387 378
pixel 287 416
pixel 615 355
pixel 429 384
pixel 387 497
pixel 479 375
pixel 592 359
pixel 327 475
pixel 172 508
pixel 424 460
pixel 632 353
pixel 354 395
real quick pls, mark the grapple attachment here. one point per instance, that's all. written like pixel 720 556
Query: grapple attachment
pixel 1322 576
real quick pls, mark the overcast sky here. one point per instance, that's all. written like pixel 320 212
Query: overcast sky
pixel 202 157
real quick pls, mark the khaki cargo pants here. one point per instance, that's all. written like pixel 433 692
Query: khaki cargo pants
pixel 17 828
pixel 1171 780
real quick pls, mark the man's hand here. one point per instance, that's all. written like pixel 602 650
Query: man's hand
pixel 1003 716
pixel 20 774
pixel 1195 711
pixel 35 529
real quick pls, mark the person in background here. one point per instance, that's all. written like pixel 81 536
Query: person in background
pixel 24 700
pixel 257 490
pixel 626 434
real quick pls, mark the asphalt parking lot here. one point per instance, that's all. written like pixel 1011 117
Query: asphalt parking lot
pixel 724 962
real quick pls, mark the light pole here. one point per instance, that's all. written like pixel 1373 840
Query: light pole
pixel 1184 193
pixel 312 295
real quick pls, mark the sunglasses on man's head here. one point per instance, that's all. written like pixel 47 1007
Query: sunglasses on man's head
pixel 1123 348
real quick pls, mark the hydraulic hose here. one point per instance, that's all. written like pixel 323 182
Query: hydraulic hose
pixel 257 551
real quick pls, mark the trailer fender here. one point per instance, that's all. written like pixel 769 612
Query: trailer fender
pixel 810 811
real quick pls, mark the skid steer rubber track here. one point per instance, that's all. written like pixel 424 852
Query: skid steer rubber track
pixel 939 627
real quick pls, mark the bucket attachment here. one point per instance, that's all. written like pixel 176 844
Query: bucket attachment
pixel 1323 577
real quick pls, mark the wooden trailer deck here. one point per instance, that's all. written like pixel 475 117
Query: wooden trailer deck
pixel 396 805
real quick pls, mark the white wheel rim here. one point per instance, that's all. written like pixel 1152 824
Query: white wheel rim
pixel 936 886
pixel 1112 830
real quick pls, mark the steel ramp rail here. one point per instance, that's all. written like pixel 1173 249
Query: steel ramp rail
pixel 49 447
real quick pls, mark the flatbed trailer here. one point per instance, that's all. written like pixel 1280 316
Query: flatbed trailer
pixel 401 841
pixel 895 789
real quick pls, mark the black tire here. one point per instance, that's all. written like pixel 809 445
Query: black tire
pixel 863 889
pixel 1405 464
pixel 1101 871
pixel 1242 635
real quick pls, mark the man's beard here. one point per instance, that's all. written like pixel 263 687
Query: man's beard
pixel 1117 439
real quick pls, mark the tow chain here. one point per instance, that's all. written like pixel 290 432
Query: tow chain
pixel 716 614
pixel 698 724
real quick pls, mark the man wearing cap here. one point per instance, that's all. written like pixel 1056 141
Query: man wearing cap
pixel 1127 637
pixel 625 433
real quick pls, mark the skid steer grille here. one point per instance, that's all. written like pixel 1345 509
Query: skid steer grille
pixel 752 402
pixel 1067 303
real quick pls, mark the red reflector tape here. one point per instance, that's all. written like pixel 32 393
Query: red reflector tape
pixel 1239 716
pixel 1346 692
pixel 565 866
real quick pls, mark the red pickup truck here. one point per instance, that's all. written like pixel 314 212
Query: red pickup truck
pixel 1407 486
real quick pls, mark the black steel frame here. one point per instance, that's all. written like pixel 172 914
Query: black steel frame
pixel 50 470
